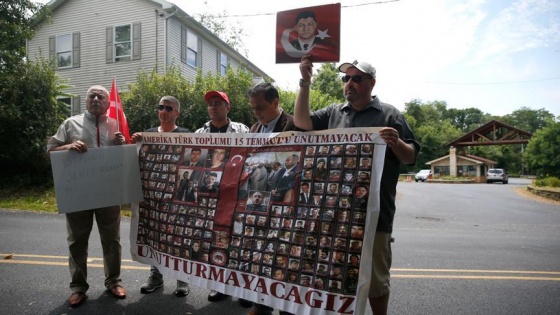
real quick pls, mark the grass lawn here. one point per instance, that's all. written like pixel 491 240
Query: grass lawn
pixel 36 199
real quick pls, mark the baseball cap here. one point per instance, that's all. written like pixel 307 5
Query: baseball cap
pixel 219 94
pixel 362 66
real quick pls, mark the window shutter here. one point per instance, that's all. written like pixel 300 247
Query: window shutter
pixel 183 44
pixel 76 50
pixel 136 41
pixel 75 105
pixel 109 45
pixel 219 61
pixel 199 54
pixel 52 49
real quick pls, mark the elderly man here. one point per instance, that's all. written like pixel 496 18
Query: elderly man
pixel 92 129
pixel 363 110
pixel 218 109
pixel 168 110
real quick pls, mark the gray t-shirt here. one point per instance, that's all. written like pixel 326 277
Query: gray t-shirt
pixel 377 114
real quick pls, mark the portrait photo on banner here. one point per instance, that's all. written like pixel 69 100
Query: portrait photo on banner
pixel 311 30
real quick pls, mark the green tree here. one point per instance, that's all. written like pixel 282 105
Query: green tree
pixel 231 34
pixel 18 22
pixel 529 120
pixel 29 114
pixel 543 151
pixel 139 102
pixel 467 119
pixel 328 83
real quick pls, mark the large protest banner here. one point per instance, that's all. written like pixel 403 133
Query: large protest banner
pixel 285 219
pixel 100 177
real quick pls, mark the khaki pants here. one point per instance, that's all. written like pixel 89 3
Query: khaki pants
pixel 79 226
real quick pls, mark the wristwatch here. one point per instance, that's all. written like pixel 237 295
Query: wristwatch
pixel 303 83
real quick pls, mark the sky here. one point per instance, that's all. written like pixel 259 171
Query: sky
pixel 494 55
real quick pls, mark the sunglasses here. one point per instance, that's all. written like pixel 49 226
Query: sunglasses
pixel 354 78
pixel 167 108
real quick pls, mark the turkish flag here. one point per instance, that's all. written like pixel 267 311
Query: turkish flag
pixel 116 111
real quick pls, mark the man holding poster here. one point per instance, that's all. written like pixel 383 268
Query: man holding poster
pixel 92 129
pixel 364 110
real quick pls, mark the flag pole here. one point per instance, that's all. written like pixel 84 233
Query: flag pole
pixel 116 103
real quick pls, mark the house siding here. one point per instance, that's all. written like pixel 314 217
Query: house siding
pixel 91 18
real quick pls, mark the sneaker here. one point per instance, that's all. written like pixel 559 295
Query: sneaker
pixel 151 285
pixel 182 289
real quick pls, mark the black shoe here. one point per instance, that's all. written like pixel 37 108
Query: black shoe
pixel 215 296
pixel 182 289
pixel 285 313
pixel 245 303
pixel 153 283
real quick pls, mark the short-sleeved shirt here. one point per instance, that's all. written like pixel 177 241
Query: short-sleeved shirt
pixel 86 128
pixel 377 114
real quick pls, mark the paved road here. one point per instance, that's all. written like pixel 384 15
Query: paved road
pixel 460 249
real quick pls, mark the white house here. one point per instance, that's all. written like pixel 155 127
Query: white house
pixel 94 41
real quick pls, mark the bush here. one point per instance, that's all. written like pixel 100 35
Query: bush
pixel 548 182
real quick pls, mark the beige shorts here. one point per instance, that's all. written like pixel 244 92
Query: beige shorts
pixel 381 265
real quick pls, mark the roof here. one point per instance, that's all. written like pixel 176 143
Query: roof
pixel 472 158
pixel 492 133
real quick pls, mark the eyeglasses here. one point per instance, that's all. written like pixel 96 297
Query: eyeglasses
pixel 166 107
pixel 354 78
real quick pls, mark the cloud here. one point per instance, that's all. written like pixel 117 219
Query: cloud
pixel 524 25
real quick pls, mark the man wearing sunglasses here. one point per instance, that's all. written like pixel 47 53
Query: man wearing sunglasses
pixel 168 111
pixel 364 110
pixel 92 129
pixel 218 109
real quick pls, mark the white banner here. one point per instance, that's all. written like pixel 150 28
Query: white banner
pixel 286 220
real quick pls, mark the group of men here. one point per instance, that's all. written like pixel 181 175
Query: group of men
pixel 95 129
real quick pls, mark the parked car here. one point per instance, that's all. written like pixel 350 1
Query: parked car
pixel 423 175
pixel 497 175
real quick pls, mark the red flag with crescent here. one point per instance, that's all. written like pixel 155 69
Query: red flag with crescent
pixel 116 111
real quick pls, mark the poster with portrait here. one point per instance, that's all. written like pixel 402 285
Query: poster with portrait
pixel 285 219
pixel 311 30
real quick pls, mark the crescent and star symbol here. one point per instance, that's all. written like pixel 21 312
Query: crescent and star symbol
pixel 232 160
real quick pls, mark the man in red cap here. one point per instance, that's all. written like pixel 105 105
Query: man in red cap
pixel 218 109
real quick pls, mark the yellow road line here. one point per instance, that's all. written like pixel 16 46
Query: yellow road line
pixel 475 271
pixel 3 255
pixel 65 264
pixel 475 277
pixel 403 273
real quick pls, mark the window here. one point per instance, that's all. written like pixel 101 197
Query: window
pixel 466 170
pixel 64 51
pixel 441 170
pixel 123 43
pixel 192 48
pixel 223 63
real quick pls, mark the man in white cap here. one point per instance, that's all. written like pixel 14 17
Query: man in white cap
pixel 361 109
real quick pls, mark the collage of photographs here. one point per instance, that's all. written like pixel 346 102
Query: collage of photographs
pixel 299 216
